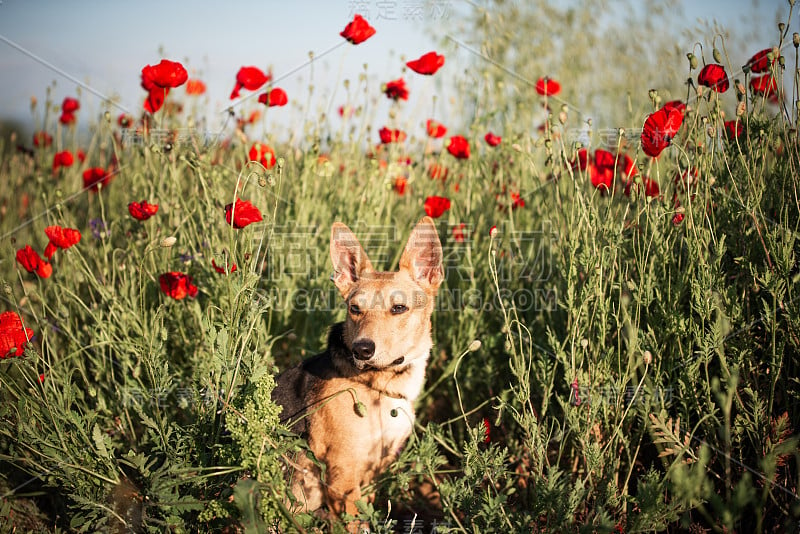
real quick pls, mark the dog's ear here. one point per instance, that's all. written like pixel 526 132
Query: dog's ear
pixel 422 256
pixel 350 261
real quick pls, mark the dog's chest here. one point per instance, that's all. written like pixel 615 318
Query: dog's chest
pixel 395 419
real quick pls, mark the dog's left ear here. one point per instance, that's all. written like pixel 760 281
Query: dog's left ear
pixel 422 256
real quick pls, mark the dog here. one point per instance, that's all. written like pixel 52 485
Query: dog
pixel 354 403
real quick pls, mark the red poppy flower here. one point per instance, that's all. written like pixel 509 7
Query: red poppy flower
pixel 625 167
pixel 124 120
pixel 95 178
pixel 195 87
pixel 42 139
pixel 601 170
pixel 60 238
pixel 62 159
pixel 33 263
pixel 437 172
pixel 400 184
pixel 547 87
pixel 714 76
pixel 427 64
pixel 436 206
pixel 492 139
pixel 157 80
pixel 177 285
pixel 517 201
pixel 67 119
pixel 458 147
pixel 396 89
pixel 167 74
pixel 81 155
pixel 760 62
pixel 221 268
pixel 242 214
pixel 13 335
pixel 581 161
pixel 764 85
pixel 358 30
pixel 458 233
pixel 659 129
pixel 391 136
pixel 486 429
pixel 275 97
pixel 435 129
pixel 263 154
pixel 70 105
pixel 250 78
pixel 733 129
pixel 142 210
pixel 677 105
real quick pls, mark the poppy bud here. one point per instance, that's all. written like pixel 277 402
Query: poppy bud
pixel 796 39
pixel 741 107
pixel 647 357
pixel 781 27
pixel 168 242
pixel 692 61
pixel 652 94
pixel 475 345
pixel 493 232
pixel 360 409
pixel 782 61
pixel 717 55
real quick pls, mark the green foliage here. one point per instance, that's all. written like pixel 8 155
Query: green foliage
pixel 638 357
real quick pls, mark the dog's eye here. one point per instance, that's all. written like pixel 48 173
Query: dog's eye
pixel 355 310
pixel 397 309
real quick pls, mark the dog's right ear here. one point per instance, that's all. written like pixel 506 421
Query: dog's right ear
pixel 350 261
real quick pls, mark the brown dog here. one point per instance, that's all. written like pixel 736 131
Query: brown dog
pixel 355 401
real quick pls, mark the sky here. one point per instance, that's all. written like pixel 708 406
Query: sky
pixel 104 45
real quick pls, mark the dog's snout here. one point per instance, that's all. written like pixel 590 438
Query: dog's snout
pixel 363 349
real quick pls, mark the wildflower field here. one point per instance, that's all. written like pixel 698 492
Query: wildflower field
pixel 617 340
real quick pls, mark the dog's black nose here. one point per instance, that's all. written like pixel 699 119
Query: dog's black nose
pixel 363 349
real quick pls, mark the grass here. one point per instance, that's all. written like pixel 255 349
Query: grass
pixel 638 357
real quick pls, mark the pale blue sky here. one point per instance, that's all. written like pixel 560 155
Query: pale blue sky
pixel 105 44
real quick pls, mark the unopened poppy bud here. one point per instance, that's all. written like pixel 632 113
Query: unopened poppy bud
pixel 360 409
pixel 781 61
pixel 281 163
pixel 475 345
pixel 796 39
pixel 781 27
pixel 562 117
pixel 652 94
pixel 168 242
pixel 692 61
pixel 741 107
pixel 717 55
pixel 493 232
pixel 647 357
pixel 584 343
pixel 711 131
